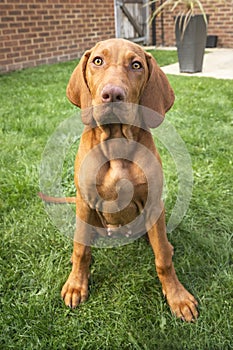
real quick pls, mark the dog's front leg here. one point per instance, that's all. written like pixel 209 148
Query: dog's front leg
pixel 181 302
pixel 75 290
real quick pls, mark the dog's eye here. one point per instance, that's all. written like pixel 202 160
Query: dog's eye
pixel 136 65
pixel 98 61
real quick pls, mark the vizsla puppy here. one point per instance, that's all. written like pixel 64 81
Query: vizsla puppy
pixel 117 76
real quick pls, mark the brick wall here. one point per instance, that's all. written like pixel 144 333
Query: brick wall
pixel 220 23
pixel 34 32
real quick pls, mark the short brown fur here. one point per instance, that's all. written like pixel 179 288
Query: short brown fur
pixel 91 85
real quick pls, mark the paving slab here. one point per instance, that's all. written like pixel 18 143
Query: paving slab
pixel 217 63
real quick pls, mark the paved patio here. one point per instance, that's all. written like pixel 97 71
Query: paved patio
pixel 218 63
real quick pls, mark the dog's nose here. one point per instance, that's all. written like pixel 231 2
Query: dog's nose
pixel 111 93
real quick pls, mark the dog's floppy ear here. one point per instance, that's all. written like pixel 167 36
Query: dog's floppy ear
pixel 77 90
pixel 157 94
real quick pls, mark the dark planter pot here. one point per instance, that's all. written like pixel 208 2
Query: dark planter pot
pixel 191 44
pixel 211 41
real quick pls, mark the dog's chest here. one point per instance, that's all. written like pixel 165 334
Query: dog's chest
pixel 122 192
pixel 119 176
pixel 114 177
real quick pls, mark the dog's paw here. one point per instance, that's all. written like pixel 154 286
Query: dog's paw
pixel 75 291
pixel 183 304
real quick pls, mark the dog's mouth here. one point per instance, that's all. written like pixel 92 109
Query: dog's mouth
pixel 109 113
pixel 115 113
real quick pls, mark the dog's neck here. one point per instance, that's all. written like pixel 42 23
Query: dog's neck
pixel 112 136
pixel 125 131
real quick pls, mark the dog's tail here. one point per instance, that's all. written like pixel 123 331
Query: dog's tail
pixel 58 200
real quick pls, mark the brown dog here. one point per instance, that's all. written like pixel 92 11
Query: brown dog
pixel 116 76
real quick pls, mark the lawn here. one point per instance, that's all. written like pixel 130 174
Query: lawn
pixel 125 309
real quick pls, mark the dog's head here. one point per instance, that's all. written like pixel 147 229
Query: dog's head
pixel 119 73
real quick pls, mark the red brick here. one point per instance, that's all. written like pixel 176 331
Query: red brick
pixel 5 50
pixel 41 12
pixel 8 31
pixel 11 43
pixel 52 60
pixel 8 19
pixel 5 63
pixel 12 55
pixel 31 35
pixel 7 6
pixel 15 12
pixel 22 6
pixel 38 40
pixel 41 61
pixel 43 34
pixel 33 57
pixel 19 59
pixel 25 42
pixel 22 18
pixel 46 55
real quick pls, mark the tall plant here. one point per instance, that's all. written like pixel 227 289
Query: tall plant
pixel 186 10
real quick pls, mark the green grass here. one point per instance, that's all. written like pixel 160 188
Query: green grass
pixel 126 309
pixel 164 57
